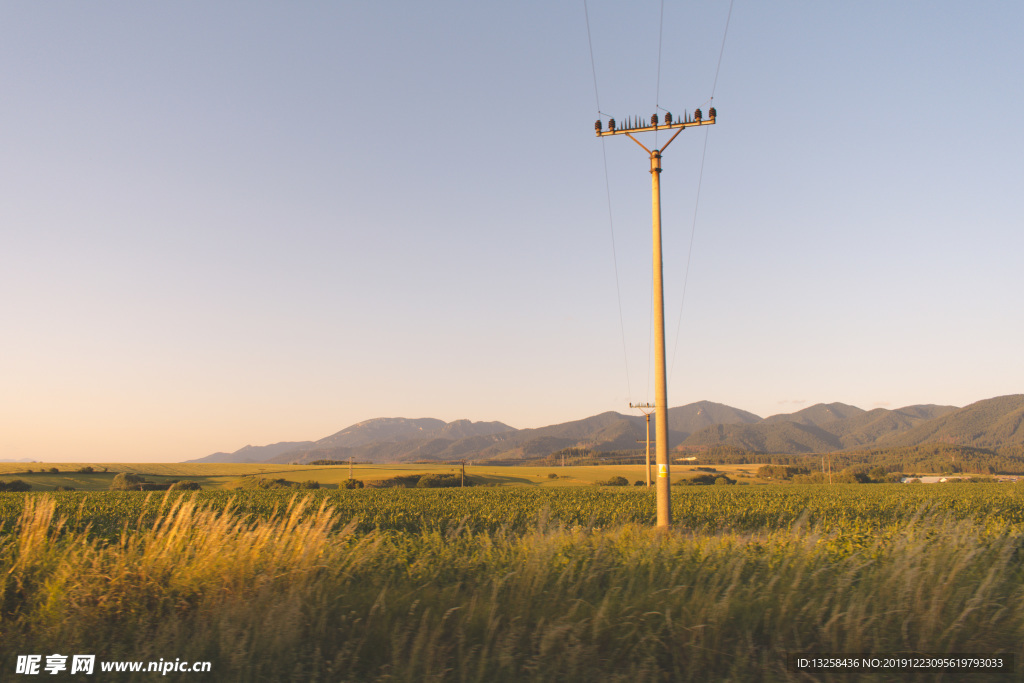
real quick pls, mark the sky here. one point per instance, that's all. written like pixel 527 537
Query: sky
pixel 237 223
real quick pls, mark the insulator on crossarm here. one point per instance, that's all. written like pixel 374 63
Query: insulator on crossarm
pixel 697 115
pixel 597 125
pixel 668 118
pixel 611 124
pixel 654 119
pixel 712 113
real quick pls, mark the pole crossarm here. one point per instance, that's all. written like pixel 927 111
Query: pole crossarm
pixel 639 125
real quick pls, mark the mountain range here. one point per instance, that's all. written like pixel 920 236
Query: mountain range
pixel 821 428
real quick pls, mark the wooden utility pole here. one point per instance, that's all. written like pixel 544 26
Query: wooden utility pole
pixel 664 490
pixel 645 408
pixel 350 467
pixel 463 474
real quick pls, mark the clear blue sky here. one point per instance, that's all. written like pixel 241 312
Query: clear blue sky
pixel 240 223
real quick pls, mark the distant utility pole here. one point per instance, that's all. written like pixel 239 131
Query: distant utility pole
pixel 350 467
pixel 645 408
pixel 664 490
pixel 463 473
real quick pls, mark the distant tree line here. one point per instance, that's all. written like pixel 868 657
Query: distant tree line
pixel 577 457
pixel 932 457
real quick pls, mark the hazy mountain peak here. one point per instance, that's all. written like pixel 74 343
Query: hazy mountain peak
pixel 821 427
pixel 819 414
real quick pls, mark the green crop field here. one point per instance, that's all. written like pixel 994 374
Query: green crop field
pixel 512 583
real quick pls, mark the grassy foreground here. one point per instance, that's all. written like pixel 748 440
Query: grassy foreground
pixel 298 594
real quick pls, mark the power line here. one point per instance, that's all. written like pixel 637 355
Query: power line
pixel 615 264
pixel 721 51
pixel 608 195
pixel 657 89
pixel 590 43
pixel 696 203
pixel 689 254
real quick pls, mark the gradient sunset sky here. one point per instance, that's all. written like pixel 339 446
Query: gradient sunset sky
pixel 227 223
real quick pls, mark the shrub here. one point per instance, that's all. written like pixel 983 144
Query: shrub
pixel 552 475
pixel 86 470
pixel 638 483
pixel 185 486
pixel 64 488
pixel 308 484
pixel 15 485
pixel 399 481
pixel 53 470
pixel 351 484
pixel 851 476
pixel 436 481
pixel 780 471
pixel 699 480
pixel 263 483
pixel 614 481
pixel 127 481
pixel 812 478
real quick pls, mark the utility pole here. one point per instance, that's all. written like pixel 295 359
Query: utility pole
pixel 463 474
pixel 645 408
pixel 664 490
pixel 350 467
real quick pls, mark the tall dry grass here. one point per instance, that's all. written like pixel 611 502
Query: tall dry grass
pixel 293 598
